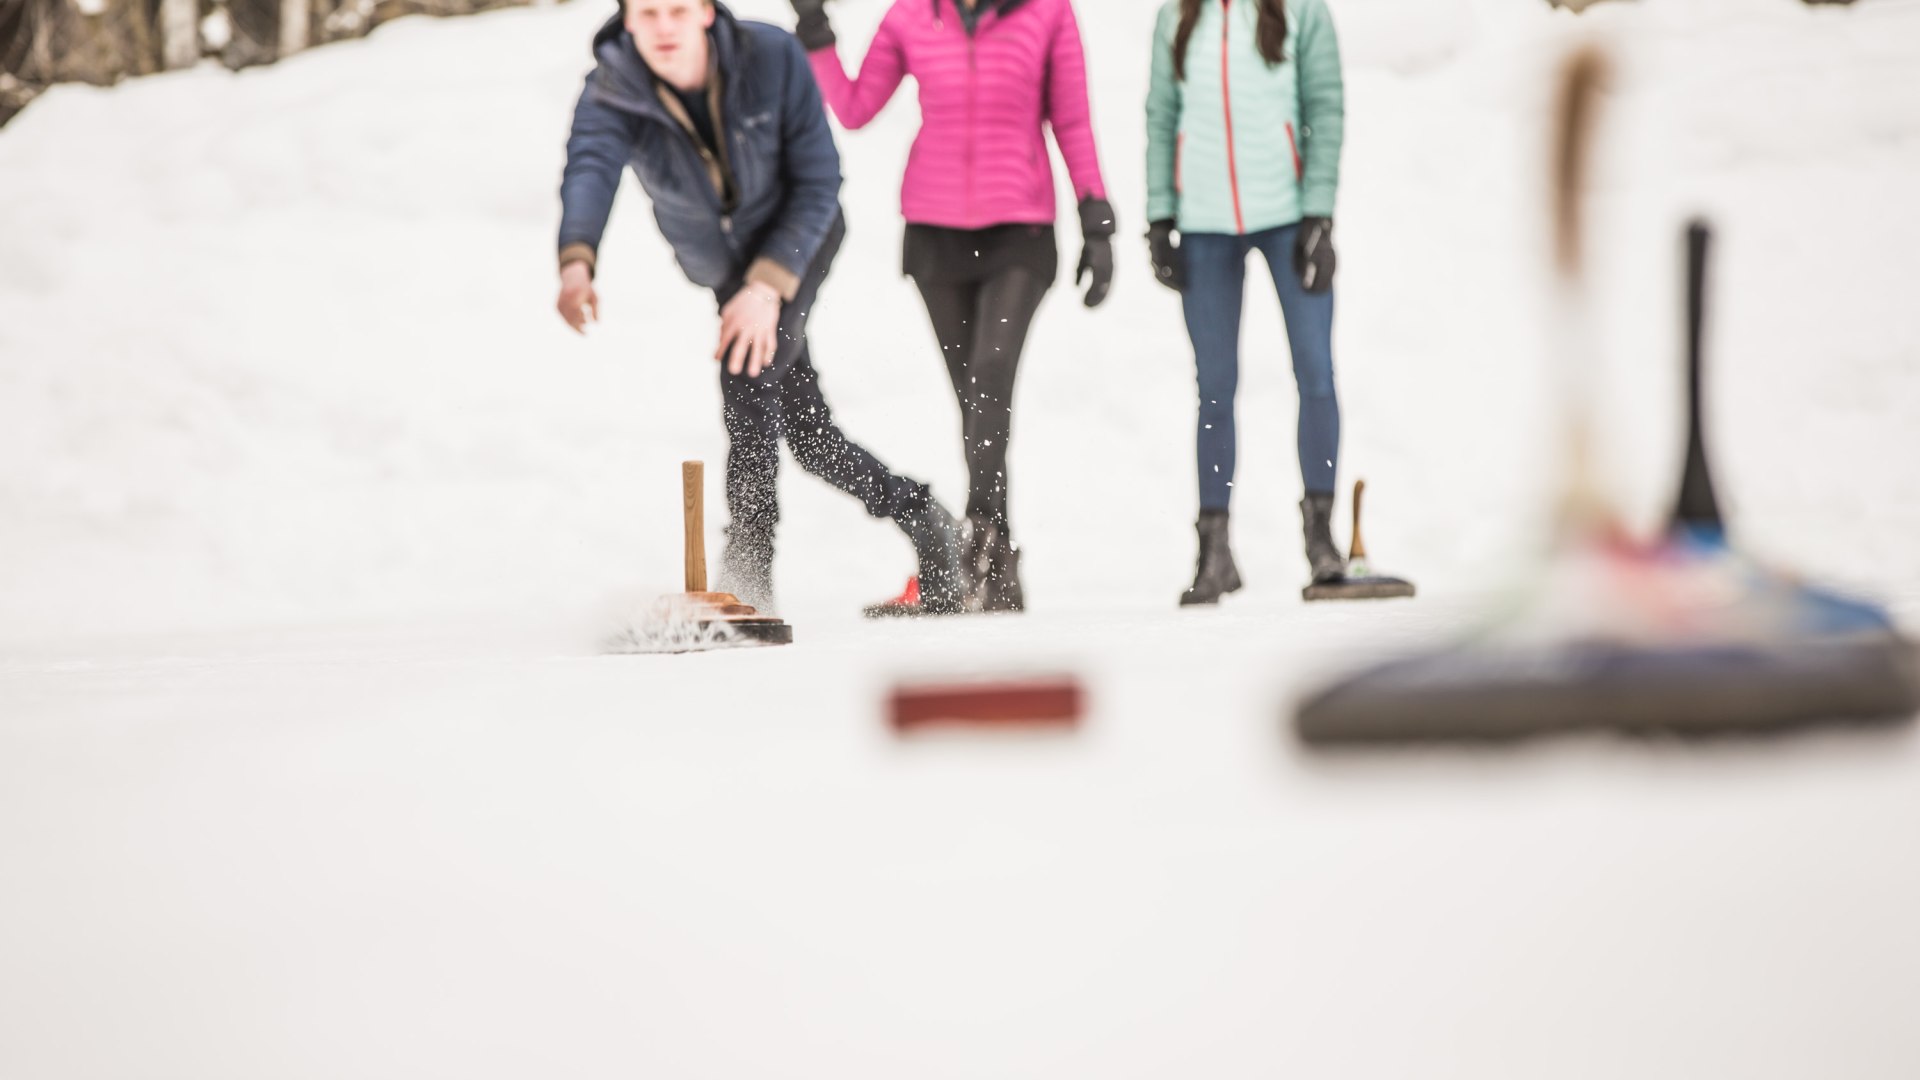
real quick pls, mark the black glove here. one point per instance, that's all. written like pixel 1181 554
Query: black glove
pixel 1096 254
pixel 813 30
pixel 1168 268
pixel 1313 254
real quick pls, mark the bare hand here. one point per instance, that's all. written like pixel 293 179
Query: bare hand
pixel 578 303
pixel 747 327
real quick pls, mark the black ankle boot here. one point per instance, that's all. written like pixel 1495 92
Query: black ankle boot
pixel 995 563
pixel 746 566
pixel 1214 575
pixel 936 546
pixel 1316 516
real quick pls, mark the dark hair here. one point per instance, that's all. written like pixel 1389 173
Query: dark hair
pixel 1271 32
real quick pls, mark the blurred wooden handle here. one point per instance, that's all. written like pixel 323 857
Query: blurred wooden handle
pixel 1359 548
pixel 693 475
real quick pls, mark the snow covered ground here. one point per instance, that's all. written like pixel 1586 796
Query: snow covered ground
pixel 314 513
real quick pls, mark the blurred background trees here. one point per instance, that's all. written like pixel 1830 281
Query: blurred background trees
pixel 102 41
pixel 43 42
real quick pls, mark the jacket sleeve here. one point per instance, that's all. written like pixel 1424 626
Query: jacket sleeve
pixel 810 172
pixel 597 150
pixel 1322 109
pixel 858 100
pixel 1068 111
pixel 1163 123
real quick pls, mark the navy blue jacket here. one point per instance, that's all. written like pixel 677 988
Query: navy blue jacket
pixel 785 168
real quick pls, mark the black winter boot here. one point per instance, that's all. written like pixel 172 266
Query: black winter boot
pixel 936 546
pixel 1316 515
pixel 746 566
pixel 995 563
pixel 1214 575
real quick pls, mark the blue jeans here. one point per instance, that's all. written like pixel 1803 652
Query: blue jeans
pixel 1216 269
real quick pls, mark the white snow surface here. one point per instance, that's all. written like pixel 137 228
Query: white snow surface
pixel 314 516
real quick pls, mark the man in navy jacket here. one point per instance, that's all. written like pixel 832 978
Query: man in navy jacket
pixel 722 123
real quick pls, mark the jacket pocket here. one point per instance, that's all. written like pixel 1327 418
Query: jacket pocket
pixel 1179 158
pixel 1299 170
pixel 756 152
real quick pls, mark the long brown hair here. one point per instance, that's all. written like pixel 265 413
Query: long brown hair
pixel 1271 32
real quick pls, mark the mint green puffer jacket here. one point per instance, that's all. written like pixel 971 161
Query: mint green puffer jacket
pixel 1240 146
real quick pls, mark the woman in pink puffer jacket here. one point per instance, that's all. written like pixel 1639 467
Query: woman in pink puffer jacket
pixel 979 202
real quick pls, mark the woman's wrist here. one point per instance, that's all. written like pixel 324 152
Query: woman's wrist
pixel 1096 217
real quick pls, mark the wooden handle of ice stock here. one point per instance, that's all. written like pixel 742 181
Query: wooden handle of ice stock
pixel 693 477
pixel 1358 549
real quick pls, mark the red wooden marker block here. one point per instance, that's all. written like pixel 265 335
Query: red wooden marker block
pixel 1046 701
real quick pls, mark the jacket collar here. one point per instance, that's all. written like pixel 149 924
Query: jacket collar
pixel 1003 8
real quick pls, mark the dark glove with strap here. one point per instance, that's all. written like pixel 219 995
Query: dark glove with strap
pixel 813 30
pixel 1313 254
pixel 1096 252
pixel 1165 252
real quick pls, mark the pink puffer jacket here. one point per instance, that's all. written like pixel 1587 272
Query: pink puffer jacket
pixel 980 158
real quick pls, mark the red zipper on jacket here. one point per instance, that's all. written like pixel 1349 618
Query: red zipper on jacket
pixel 1299 171
pixel 1226 102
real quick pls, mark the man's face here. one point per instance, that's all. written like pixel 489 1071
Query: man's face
pixel 672 38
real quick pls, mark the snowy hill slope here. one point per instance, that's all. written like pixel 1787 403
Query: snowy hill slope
pixel 276 349
pixel 278 346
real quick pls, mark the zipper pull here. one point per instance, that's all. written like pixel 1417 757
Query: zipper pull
pixel 726 224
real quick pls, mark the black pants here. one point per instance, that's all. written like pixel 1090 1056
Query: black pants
pixel 785 402
pixel 982 327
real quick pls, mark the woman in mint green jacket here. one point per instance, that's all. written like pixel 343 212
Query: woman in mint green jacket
pixel 1244 122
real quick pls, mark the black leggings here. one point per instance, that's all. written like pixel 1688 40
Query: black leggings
pixel 982 326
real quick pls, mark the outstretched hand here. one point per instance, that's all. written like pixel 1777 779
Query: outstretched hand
pixel 578 303
pixel 748 324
